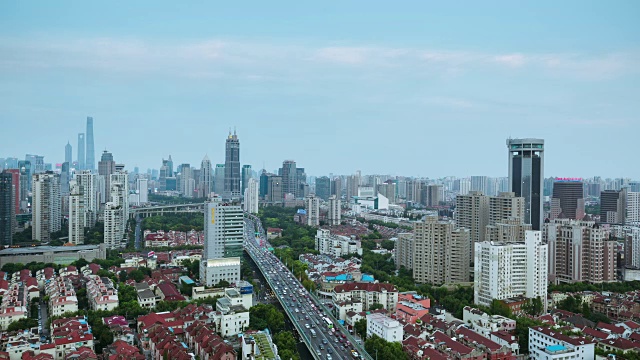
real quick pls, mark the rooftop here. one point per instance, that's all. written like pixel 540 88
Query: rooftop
pixel 41 249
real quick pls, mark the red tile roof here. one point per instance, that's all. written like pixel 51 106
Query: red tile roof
pixel 471 336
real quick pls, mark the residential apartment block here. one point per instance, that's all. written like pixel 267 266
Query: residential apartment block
pixel 440 252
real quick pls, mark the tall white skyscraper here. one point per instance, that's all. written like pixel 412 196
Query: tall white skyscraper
pixel 120 194
pixel 113 220
pixel 46 216
pixel 251 196
pixel 334 210
pixel 77 214
pixel 223 238
pixel 88 182
pixel 187 183
pixel 507 270
pixel 142 185
pixel 312 205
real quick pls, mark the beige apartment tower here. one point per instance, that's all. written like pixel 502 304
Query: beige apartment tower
pixel 440 252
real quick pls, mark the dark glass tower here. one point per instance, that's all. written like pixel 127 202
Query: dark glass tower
pixel 90 163
pixel 68 153
pixel 232 178
pixel 7 208
pixel 526 176
pixel 567 201
pixel 323 187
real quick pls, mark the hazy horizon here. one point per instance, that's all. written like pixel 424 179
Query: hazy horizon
pixel 414 88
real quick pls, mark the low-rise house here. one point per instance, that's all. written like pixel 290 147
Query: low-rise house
pixel 207 344
pixel 546 343
pixel 120 350
pixel 389 329
pixel 411 307
pixel 384 294
pixel 493 350
pixel 484 324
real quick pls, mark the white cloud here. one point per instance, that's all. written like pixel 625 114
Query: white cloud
pixel 260 61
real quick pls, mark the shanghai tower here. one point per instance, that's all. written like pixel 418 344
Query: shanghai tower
pixel 232 180
pixel 90 163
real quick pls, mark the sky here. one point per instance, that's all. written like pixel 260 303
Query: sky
pixel 415 88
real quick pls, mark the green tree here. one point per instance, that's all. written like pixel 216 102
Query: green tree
pixel 264 316
pixel 222 284
pixel 523 324
pixel 286 343
pixel 136 275
pixel 122 276
pixel 22 324
pixel 388 244
pixel 376 306
pixel 360 327
pixel 384 350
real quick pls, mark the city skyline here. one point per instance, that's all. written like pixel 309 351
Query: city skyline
pixel 337 81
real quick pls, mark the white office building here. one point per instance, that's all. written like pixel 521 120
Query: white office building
pixel 76 213
pixel 384 327
pixel 507 270
pixel 335 205
pixel 119 182
pixel 223 238
pixel 142 185
pixel 312 205
pixel 251 197
pixel 46 213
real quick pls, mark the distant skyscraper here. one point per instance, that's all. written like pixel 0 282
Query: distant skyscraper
pixel 91 155
pixel 68 153
pixel 7 208
pixel 323 188
pixel 77 213
pixel 480 183
pixel 17 185
pixel 106 167
pixel 289 177
pixel 275 192
pixel 232 177
pixel 434 195
pixel 187 183
pixel 336 187
pixel 218 179
pixel 46 214
pixel 246 175
pixel 206 178
pixel 113 220
pixel 251 197
pixel 264 184
pixel 526 176
pixel 613 205
pixel 81 154
pixel 65 177
pixel 567 201
pixel 25 184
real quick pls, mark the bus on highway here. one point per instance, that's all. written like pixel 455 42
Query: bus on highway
pixel 313 333
pixel 329 323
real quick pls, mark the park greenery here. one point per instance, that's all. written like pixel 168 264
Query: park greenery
pixel 617 287
pixel 182 222
pixel 263 316
pixel 382 223
pixel 23 324
pixel 287 345
pixel 300 238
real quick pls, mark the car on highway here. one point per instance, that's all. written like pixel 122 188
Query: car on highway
pixel 328 357
pixel 307 326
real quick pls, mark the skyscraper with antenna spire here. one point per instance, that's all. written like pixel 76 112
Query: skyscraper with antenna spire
pixel 232 177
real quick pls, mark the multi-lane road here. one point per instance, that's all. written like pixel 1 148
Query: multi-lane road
pixel 320 331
